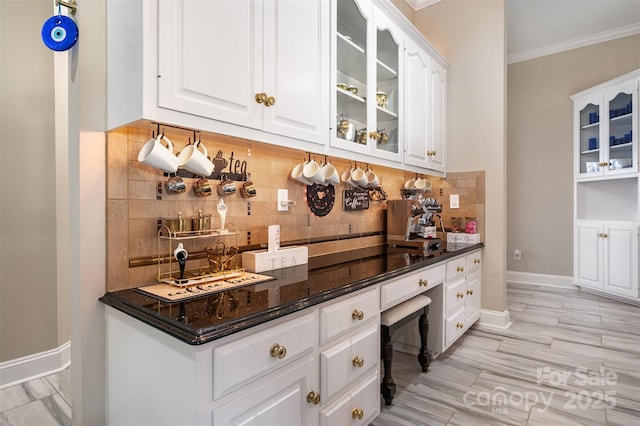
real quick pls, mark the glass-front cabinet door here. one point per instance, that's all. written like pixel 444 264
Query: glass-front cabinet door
pixel 607 144
pixel 621 120
pixel 589 155
pixel 367 85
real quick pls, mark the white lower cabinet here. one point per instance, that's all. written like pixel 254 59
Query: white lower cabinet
pixel 606 257
pixel 276 373
pixel 357 407
pixel 457 302
pixel 280 401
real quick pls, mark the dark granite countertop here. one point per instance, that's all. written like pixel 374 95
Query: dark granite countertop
pixel 203 319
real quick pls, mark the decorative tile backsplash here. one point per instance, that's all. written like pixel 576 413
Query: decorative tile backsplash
pixel 137 199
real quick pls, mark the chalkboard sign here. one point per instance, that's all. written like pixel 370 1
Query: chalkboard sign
pixel 355 199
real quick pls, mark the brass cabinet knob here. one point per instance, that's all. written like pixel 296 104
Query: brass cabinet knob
pixel 313 398
pixel 357 315
pixel 602 235
pixel 374 135
pixel 460 295
pixel 357 362
pixel 423 282
pixel 460 269
pixel 603 164
pixel 278 351
pixel 459 325
pixel 476 261
pixel 357 413
pixel 262 98
pixel 469 292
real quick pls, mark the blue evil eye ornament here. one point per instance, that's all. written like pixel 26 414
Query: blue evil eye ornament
pixel 59 33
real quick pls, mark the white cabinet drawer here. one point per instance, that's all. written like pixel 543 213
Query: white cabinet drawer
pixel 406 287
pixel 456 268
pixel 454 295
pixel 364 397
pixel 454 327
pixel 350 359
pixel 250 357
pixel 473 261
pixel 348 314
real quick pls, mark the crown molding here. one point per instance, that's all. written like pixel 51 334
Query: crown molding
pixel 574 43
pixel 420 4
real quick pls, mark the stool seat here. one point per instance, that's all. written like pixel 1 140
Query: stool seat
pixel 393 319
pixel 403 310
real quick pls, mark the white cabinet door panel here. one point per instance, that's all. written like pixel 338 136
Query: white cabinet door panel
pixel 588 252
pixel 296 68
pixel 210 59
pixel 621 270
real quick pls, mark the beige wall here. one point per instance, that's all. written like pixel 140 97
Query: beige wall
pixel 29 320
pixel 540 139
pixel 471 35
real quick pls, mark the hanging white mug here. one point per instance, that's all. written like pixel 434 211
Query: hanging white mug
pixel 155 154
pixel 296 174
pixel 194 158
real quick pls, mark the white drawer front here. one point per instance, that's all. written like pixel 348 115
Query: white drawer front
pixel 240 361
pixel 454 327
pixel 341 317
pixel 340 365
pixel 456 268
pixel 365 397
pixel 454 296
pixel 473 261
pixel 406 287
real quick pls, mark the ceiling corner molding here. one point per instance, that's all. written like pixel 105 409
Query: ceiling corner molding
pixel 574 43
pixel 421 4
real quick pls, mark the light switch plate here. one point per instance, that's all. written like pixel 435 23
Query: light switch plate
pixel 283 195
pixel 454 201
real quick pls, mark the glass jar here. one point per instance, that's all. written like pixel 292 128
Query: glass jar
pixel 456 224
pixel 471 225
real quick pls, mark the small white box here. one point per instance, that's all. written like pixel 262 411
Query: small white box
pixel 459 237
pixel 263 260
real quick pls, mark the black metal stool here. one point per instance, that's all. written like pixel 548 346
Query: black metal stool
pixel 391 320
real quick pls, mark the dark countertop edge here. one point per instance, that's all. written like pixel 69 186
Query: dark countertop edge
pixel 206 335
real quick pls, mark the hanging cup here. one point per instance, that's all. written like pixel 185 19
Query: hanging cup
pixel 155 154
pixel 194 158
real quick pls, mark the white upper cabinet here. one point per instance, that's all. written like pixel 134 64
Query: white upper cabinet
pixel 425 106
pixel 259 64
pixel 367 81
pixel 606 122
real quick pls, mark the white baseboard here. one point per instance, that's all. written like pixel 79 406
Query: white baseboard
pixel 34 366
pixel 495 319
pixel 539 279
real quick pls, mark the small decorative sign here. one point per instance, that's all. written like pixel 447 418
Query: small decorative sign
pixel 320 199
pixel 355 199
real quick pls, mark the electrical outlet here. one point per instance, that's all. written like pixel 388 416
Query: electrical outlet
pixel 454 201
pixel 517 254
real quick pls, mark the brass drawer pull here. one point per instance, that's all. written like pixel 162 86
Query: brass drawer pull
pixel 357 413
pixel 357 315
pixel 469 292
pixel 460 295
pixel 313 398
pixel 357 361
pixel 459 325
pixel 423 282
pixel 460 269
pixel 278 351
pixel 476 261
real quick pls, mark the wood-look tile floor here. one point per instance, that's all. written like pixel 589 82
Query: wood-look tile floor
pixel 570 358
pixel 40 402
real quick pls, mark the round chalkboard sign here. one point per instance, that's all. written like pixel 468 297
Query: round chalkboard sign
pixel 320 198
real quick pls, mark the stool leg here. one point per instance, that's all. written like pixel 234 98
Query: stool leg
pixel 424 357
pixel 387 387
